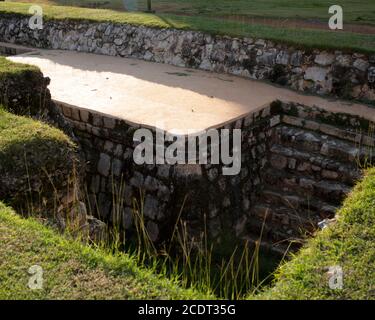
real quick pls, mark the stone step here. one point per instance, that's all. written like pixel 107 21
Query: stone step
pixel 354 134
pixel 317 144
pixel 311 141
pixel 318 166
pixel 344 126
pixel 308 208
pixel 299 184
pixel 278 224
pixel 286 219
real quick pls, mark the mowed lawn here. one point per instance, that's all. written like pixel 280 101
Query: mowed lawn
pixel 355 11
pixel 298 37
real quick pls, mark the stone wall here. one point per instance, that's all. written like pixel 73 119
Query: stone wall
pixel 315 157
pixel 298 164
pixel 200 192
pixel 345 75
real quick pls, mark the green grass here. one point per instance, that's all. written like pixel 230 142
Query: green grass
pixel 7 67
pixel 21 134
pixel 71 269
pixel 42 144
pixel 349 243
pixel 355 11
pixel 305 38
pixel 362 11
pixel 36 163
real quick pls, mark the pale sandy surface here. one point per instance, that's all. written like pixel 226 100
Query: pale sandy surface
pixel 161 95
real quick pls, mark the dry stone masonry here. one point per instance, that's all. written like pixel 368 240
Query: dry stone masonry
pixel 201 190
pixel 298 164
pixel 346 75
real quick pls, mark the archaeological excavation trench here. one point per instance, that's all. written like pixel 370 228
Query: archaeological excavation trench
pixel 300 154
pixel 298 165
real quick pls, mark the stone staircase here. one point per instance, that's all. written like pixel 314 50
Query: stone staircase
pixel 312 166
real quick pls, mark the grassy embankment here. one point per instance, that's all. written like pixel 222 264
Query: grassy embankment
pixel 71 269
pixel 7 67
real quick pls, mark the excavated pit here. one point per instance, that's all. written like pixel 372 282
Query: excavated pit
pixel 300 157
pixel 298 164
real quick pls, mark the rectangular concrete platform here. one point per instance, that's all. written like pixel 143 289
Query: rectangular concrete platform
pixel 160 95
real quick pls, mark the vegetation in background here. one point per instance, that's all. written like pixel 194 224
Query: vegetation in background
pixel 306 38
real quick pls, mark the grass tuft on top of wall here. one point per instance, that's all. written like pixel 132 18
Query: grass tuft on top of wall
pixel 8 67
pixel 349 243
pixel 304 38
pixel 40 142
pixel 72 270
pixel 36 162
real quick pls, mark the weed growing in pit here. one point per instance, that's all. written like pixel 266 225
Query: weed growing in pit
pixel 365 156
pixel 192 261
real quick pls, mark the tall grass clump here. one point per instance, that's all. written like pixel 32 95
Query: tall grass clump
pixel 193 261
pixel 364 158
